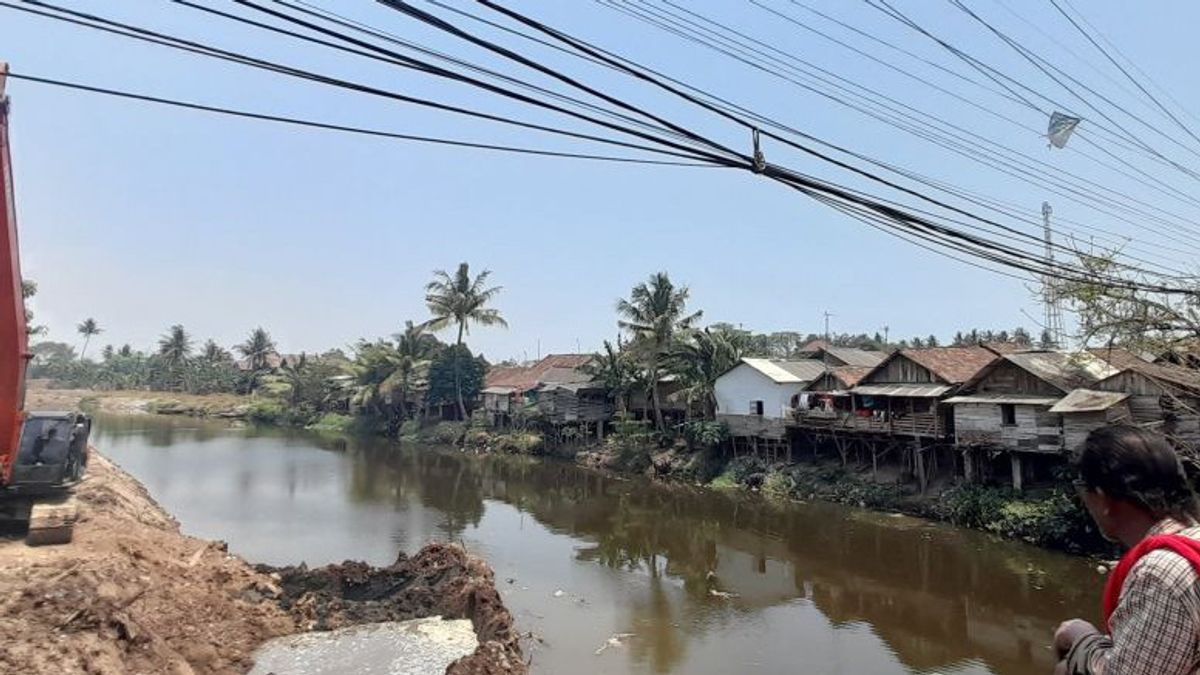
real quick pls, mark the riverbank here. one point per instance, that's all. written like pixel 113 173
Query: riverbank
pixel 131 593
pixel 1050 517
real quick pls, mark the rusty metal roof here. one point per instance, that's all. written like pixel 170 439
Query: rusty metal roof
pixel 787 372
pixel 1088 400
pixel 849 376
pixel 953 365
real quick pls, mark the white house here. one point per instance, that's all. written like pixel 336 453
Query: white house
pixel 757 395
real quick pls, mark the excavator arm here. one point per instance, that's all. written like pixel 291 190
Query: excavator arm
pixel 14 342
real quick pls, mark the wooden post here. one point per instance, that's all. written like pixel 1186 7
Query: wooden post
pixel 919 465
pixel 1018 477
pixel 969 465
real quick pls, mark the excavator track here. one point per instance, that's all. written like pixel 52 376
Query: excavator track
pixel 52 523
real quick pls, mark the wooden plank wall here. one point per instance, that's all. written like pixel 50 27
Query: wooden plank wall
pixel 901 369
pixel 1036 429
pixel 1007 378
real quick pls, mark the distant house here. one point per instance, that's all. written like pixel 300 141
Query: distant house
pixel 1162 396
pixel 901 395
pixel 554 387
pixel 756 397
pixel 1009 407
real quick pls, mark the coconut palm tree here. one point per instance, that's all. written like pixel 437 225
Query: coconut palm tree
pixel 654 314
pixel 175 350
pixel 214 353
pixel 87 328
pixel 460 301
pixel 700 359
pixel 616 370
pixel 415 347
pixel 257 349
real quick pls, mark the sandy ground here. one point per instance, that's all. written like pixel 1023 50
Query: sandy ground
pixel 131 594
pixel 39 397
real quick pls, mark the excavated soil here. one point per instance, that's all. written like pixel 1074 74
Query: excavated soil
pixel 131 594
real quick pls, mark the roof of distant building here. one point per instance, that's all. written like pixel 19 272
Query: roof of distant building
pixel 554 368
pixel 1124 359
pixel 1064 370
pixel 856 357
pixel 787 372
pixel 953 365
pixel 1088 400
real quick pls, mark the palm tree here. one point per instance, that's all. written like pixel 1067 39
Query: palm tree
pixel 459 300
pixel 257 348
pixel 415 348
pixel 700 359
pixel 87 328
pixel 615 369
pixel 214 353
pixel 175 349
pixel 655 313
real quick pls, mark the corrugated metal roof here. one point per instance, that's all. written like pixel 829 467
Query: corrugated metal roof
pixel 912 390
pixel 787 372
pixel 499 391
pixel 1088 400
pixel 856 357
pixel 1064 370
pixel 997 399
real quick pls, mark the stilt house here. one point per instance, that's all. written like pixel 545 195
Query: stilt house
pixel 755 398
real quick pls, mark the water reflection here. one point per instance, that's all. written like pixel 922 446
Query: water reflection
pixel 840 590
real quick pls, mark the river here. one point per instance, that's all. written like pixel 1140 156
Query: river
pixel 581 557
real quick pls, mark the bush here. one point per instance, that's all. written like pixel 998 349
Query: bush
pixel 335 422
pixel 410 430
pixel 520 443
pixel 705 465
pixel 779 485
pixel 446 433
pixel 705 433
pixel 266 411
pixel 1054 521
pixel 477 438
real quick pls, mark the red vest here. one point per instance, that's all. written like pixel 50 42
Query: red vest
pixel 1185 546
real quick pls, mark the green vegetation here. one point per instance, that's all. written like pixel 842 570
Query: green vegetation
pixel 460 301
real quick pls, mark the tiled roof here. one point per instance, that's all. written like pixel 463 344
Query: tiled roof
pixel 954 365
pixel 814 346
pixel 848 376
pixel 1163 372
pixel 524 378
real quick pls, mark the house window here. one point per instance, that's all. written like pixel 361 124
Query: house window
pixel 756 408
pixel 1008 414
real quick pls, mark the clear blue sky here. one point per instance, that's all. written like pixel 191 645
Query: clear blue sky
pixel 142 216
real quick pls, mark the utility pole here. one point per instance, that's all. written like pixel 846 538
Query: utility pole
pixel 827 315
pixel 1053 311
pixel 885 336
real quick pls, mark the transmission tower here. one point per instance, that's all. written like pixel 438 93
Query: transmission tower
pixel 1053 316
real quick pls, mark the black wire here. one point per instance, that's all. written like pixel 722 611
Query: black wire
pixel 1124 72
pixel 339 127
pixel 895 215
pixel 960 148
pixel 235 57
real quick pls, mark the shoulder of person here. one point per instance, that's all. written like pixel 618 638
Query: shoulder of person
pixel 1165 568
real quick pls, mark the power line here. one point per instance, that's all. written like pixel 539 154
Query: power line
pixel 232 112
pixel 955 145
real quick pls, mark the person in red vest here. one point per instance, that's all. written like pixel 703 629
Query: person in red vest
pixel 1135 488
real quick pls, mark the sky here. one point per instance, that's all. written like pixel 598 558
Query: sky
pixel 142 216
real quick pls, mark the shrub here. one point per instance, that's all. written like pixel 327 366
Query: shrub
pixel 779 485
pixel 446 433
pixel 477 438
pixel 334 422
pixel 266 411
pixel 410 430
pixel 520 443
pixel 705 433
pixel 705 465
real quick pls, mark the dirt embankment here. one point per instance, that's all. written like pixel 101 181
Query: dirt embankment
pixel 40 397
pixel 131 594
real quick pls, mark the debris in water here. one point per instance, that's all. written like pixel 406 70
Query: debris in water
pixel 721 594
pixel 413 647
pixel 616 640
pixel 559 593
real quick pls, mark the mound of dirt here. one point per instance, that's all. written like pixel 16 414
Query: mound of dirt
pixel 442 579
pixel 131 594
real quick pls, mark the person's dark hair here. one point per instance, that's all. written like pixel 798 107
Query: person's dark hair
pixel 1140 467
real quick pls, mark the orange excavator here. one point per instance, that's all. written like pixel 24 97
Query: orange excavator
pixel 43 454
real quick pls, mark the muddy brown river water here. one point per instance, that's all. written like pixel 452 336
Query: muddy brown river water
pixel 689 580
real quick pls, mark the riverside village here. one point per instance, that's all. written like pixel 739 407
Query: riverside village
pixel 621 337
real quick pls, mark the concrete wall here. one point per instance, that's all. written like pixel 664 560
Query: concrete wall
pixel 737 388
